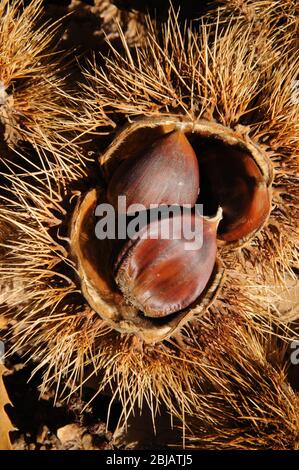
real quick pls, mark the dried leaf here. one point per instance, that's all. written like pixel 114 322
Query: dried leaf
pixel 5 423
pixel 3 322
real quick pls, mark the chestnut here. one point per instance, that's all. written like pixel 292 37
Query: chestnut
pixel 162 275
pixel 233 180
pixel 165 173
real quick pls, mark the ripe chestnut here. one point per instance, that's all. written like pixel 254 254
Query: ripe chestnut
pixel 165 173
pixel 232 179
pixel 163 271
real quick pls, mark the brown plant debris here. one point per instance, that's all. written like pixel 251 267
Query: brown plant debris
pixel 5 424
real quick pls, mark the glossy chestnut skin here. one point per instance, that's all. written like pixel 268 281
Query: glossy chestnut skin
pixel 166 173
pixel 232 179
pixel 162 276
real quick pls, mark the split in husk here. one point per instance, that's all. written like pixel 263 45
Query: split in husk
pixel 94 261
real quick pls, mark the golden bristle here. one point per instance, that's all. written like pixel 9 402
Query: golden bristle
pixel 34 102
pixel 265 13
pixel 251 406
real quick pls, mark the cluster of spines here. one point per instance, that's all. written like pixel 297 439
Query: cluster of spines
pixel 35 103
pixel 251 406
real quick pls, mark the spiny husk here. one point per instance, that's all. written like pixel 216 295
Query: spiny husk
pixel 55 326
pixel 34 103
pixel 220 74
pixel 266 15
pixel 251 405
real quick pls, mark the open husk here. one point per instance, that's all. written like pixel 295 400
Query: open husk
pixel 94 264
pixel 215 74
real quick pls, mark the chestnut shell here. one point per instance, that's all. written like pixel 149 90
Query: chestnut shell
pixel 94 263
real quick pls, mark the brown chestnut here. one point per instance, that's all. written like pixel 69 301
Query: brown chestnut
pixel 166 173
pixel 164 275
pixel 232 179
